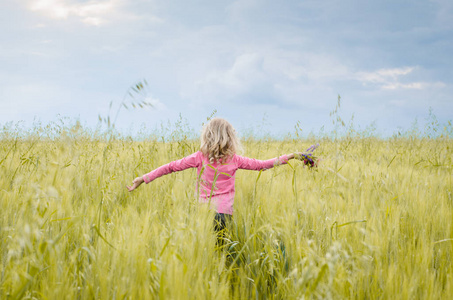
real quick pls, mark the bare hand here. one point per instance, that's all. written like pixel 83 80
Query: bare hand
pixel 135 184
pixel 296 155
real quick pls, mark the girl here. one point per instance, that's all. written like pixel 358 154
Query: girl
pixel 217 163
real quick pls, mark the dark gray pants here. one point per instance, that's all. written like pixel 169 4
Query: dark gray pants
pixel 220 226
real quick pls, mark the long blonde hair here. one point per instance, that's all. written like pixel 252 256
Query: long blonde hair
pixel 219 140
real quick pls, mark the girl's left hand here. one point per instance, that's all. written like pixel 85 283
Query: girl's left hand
pixel 135 184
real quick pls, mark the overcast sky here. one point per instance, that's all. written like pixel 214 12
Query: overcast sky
pixel 255 62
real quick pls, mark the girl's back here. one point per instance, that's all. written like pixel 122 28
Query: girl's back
pixel 215 180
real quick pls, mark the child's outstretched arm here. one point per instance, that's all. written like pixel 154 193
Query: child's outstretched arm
pixel 255 164
pixel 191 161
pixel 307 157
pixel 294 155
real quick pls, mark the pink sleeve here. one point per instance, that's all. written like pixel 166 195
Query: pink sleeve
pixel 255 164
pixel 190 161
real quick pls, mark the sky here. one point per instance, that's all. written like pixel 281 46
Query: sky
pixel 263 65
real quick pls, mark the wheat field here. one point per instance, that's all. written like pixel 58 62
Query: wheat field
pixel 373 221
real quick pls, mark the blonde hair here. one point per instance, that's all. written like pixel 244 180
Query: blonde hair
pixel 219 140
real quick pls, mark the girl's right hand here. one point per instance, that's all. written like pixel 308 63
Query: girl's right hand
pixel 135 184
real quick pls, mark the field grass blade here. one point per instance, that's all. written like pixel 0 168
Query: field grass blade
pixel 165 246
pixel 96 229
pixel 443 241
pixel 336 226
pixel 392 160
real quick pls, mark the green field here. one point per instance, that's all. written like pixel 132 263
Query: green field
pixel 374 221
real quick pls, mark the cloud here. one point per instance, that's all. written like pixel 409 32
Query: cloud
pixel 390 79
pixel 156 103
pixel 413 85
pixel 91 13
pixel 383 75
pixel 268 75
pixel 245 73
pixel 245 76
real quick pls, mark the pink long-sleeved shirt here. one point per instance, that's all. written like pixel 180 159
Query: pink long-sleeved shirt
pixel 216 182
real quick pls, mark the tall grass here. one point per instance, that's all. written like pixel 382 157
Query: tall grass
pixel 374 221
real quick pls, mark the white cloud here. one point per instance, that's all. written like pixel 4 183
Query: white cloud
pixel 264 75
pixel 156 103
pixel 245 74
pixel 413 85
pixel 397 85
pixel 92 12
pixel 390 79
pixel 383 75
